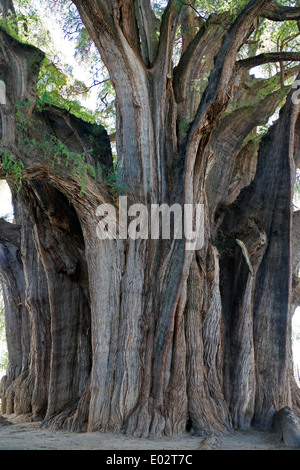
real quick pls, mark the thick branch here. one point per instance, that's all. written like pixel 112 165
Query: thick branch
pixel 228 139
pixel 252 89
pixel 261 59
pixel 7 8
pixel 127 72
pixel 30 137
pixel 19 66
pixel 127 20
pixel 64 151
pixel 168 29
pixel 197 61
pixel 190 23
pixel 148 26
pixel 276 12
pixel 217 92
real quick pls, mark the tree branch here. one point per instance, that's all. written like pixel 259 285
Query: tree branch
pixel 128 22
pixel 252 89
pixel 197 61
pixel 190 23
pixel 239 125
pixel 168 29
pixel 216 97
pixel 261 59
pixel 217 92
pixel 276 12
pixel 71 154
pixel 102 10
pixel 7 8
pixel 148 26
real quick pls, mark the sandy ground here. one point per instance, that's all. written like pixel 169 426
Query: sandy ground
pixel 17 434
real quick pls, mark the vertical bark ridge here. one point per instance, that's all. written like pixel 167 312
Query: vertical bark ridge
pixel 270 316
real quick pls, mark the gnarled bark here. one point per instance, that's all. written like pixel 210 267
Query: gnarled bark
pixel 143 335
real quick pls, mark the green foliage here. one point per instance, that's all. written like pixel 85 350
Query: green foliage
pixel 85 52
pixel 13 168
pixel 77 162
pixel 22 116
pixel 272 36
pixel 56 84
pixel 112 182
pixel 26 26
pixel 207 8
pixel 50 148
pixel 57 87
pixel 10 25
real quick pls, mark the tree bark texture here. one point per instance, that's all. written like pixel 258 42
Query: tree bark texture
pixel 144 336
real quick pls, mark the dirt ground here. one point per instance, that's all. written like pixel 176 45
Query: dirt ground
pixel 18 434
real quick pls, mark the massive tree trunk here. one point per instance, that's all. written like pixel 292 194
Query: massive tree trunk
pixel 144 335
